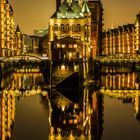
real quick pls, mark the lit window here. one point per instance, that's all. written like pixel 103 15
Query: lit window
pixel 62 27
pixel 55 27
pixel 63 45
pixel 75 45
pixel 78 28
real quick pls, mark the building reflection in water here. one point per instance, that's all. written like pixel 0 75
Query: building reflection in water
pixel 7 110
pixel 68 119
pixel 122 83
pixel 78 121
pixel 21 83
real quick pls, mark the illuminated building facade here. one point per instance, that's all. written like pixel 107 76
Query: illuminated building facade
pixel 122 40
pixel 7 31
pixel 119 41
pixel 137 31
pixel 71 23
pixel 76 21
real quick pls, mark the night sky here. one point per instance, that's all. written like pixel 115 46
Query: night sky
pixel 34 14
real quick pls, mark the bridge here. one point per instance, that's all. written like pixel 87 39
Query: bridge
pixel 119 58
pixel 25 57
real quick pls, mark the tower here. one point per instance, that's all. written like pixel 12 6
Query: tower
pixel 87 14
pixel 18 40
pixel 96 9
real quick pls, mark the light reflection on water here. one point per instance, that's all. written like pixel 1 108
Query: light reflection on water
pixel 120 88
pixel 111 111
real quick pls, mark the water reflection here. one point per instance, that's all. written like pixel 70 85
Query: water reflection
pixel 119 80
pixel 78 121
pixel 90 118
pixel 59 117
pixel 23 82
pixel 7 110
pixel 123 85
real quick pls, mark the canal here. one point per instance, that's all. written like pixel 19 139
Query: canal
pixel 107 108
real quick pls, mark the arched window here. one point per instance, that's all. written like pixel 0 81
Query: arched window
pixel 67 28
pixel 78 28
pixel 55 27
pixel 73 28
pixel 62 27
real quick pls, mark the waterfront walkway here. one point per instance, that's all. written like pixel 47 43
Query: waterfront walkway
pixel 119 58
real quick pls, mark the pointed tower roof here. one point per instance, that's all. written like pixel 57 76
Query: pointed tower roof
pixel 85 8
pixel 11 10
pixel 17 29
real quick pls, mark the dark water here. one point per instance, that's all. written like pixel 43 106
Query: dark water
pixel 107 109
pixel 119 120
pixel 31 120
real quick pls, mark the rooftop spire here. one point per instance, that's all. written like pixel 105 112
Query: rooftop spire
pixel 17 29
pixel 85 8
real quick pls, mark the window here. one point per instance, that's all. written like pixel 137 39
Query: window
pixel 63 45
pixel 67 28
pixel 62 27
pixel 73 28
pixel 55 27
pixel 78 28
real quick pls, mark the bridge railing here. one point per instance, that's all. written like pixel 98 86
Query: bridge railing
pixel 25 57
